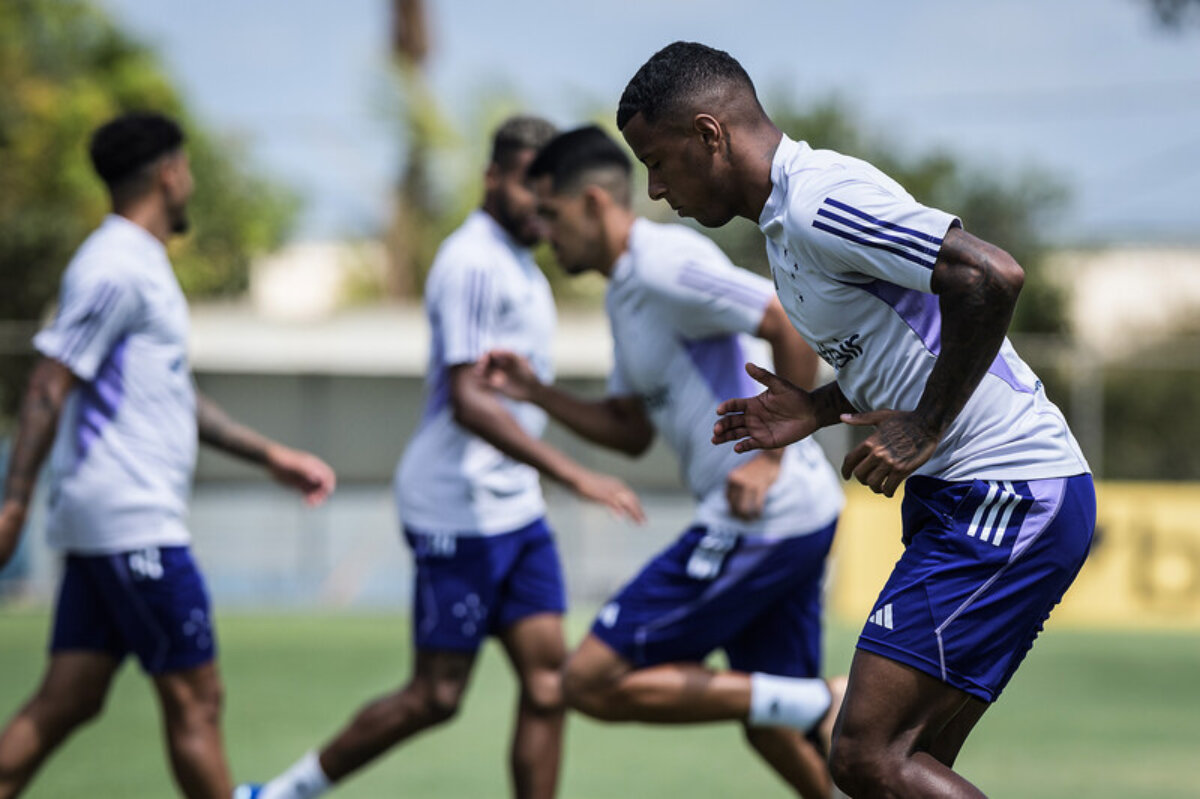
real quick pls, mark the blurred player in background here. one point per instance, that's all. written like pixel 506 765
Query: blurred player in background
pixel 470 501
pixel 912 311
pixel 114 396
pixel 746 576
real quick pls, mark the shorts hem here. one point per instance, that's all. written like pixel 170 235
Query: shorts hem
pixel 182 664
pixel 923 664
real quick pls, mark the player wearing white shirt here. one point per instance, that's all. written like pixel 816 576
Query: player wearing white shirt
pixel 470 502
pixel 114 395
pixel 484 290
pixel 746 576
pixel 912 312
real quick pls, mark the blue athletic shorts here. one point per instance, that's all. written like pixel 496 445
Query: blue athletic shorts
pixel 759 600
pixel 151 602
pixel 470 586
pixel 984 563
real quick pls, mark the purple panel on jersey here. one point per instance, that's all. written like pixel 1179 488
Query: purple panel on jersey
pixel 721 363
pixel 921 312
pixel 1002 370
pixel 100 399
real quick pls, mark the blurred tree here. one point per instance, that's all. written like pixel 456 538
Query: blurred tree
pixel 66 68
pixel 1009 211
pixel 1175 14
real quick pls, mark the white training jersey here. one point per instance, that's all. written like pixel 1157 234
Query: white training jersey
pixel 852 254
pixel 125 450
pixel 683 319
pixel 484 292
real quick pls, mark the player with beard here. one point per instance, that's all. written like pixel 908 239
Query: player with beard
pixel 470 500
pixel 114 396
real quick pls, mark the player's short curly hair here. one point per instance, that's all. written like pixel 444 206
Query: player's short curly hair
pixel 519 133
pixel 124 146
pixel 569 156
pixel 673 76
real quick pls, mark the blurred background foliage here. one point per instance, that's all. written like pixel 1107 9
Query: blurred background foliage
pixel 65 69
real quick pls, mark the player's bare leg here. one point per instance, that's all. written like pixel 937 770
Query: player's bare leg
pixel 72 693
pixel 536 648
pixel 887 738
pixel 603 685
pixel 950 740
pixel 793 758
pixel 430 698
pixel 191 707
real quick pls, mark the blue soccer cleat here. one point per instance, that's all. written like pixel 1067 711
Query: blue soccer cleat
pixel 247 790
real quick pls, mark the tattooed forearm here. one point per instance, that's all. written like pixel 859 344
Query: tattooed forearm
pixel 37 423
pixel 218 430
pixel 977 285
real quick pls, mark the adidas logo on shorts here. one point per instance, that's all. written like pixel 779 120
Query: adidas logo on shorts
pixel 882 617
pixel 608 614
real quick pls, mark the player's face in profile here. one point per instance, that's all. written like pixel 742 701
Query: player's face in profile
pixel 569 228
pixel 177 187
pixel 516 205
pixel 680 170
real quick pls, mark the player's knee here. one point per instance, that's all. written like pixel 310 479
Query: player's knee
pixel 857 765
pixel 542 691
pixel 199 708
pixel 584 692
pixel 438 702
pixel 759 738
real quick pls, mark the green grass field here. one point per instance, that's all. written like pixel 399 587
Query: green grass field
pixel 1089 715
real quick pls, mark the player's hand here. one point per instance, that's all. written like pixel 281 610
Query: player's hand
pixel 746 486
pixel 901 443
pixel 510 374
pixel 307 473
pixel 12 521
pixel 777 417
pixel 612 493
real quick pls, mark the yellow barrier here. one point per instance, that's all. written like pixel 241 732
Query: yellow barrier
pixel 1144 569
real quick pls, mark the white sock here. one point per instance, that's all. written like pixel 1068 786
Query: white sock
pixel 793 702
pixel 305 780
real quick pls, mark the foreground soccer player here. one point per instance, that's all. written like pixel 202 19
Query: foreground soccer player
pixel 746 576
pixel 470 500
pixel 912 311
pixel 114 395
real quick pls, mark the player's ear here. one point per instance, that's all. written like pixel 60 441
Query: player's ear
pixel 709 130
pixel 491 178
pixel 594 200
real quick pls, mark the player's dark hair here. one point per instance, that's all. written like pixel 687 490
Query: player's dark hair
pixel 517 134
pixel 123 147
pixel 675 75
pixel 570 156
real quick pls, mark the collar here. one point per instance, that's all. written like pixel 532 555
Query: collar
pixel 776 203
pixel 134 231
pixel 623 266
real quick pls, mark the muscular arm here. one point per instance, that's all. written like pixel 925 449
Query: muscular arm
pixel 49 385
pixel 977 286
pixel 618 423
pixel 218 430
pixel 306 473
pixel 478 408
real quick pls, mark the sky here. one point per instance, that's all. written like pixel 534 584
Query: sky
pixel 1090 91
